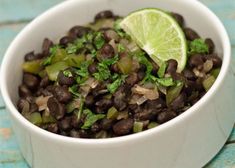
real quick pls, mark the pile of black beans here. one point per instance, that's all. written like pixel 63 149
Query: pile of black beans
pixel 61 106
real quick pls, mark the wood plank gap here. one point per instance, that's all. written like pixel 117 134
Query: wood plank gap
pixel 230 142
pixel 2 108
pixel 8 23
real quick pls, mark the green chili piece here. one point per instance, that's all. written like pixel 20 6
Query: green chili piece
pixel 54 69
pixel 112 113
pixel 32 66
pixel 74 104
pixel 125 65
pixel 138 127
pixel 152 125
pixel 208 82
pixel 74 60
pixel 35 118
pixel 173 92
pixel 215 72
pixel 48 119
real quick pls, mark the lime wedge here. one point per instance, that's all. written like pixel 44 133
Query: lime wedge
pixel 157 33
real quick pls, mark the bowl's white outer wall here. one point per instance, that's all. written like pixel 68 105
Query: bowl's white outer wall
pixel 189 140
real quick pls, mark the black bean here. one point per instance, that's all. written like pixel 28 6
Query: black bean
pixel 132 79
pixel 64 80
pixel 123 127
pixel 64 41
pixel 106 124
pixel 78 31
pixel 141 75
pixel 24 91
pixel 135 108
pixel 47 44
pixel 89 100
pixel 188 74
pixel 179 18
pixel 120 100
pixel 191 34
pixel 105 52
pixel 30 56
pixel 44 82
pixel 145 115
pixel 74 133
pixel 95 128
pixel 217 61
pixel 177 76
pixel 53 127
pixel 110 35
pixel 84 134
pixel 56 109
pixel 165 116
pixel 92 68
pixel 142 67
pixel 104 14
pixel 33 107
pixel 210 44
pixel 31 81
pixel 22 103
pixel 65 124
pixel 62 94
pixel 179 102
pixel 196 60
pixel 155 105
pixel 115 68
pixel 104 103
pixel 155 68
pixel 172 66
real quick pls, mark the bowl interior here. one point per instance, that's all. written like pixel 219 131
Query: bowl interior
pixel 55 23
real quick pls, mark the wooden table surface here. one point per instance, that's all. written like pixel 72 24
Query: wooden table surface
pixel 15 14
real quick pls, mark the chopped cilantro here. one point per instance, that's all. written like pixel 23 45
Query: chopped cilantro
pixel 198 46
pixel 91 118
pixel 121 48
pixel 71 49
pixel 162 70
pixel 143 60
pixel 99 40
pixel 103 69
pixel 166 81
pixel 82 72
pixel 67 73
pixel 53 51
pixel 114 86
pixel 74 90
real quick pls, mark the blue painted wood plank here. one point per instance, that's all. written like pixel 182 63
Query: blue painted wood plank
pixel 15 10
pixel 225 10
pixel 225 159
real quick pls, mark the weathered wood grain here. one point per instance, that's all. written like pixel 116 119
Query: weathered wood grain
pixel 225 159
pixel 15 10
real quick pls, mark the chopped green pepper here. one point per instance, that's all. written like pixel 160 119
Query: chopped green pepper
pixel 32 66
pixel 112 113
pixel 35 118
pixel 54 69
pixel 208 82
pixel 125 64
pixel 173 92
pixel 138 127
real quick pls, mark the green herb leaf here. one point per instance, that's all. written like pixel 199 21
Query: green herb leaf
pixel 162 70
pixel 71 49
pixel 119 30
pixel 103 69
pixel 115 85
pixel 74 90
pixel 120 48
pixel 53 51
pixel 166 81
pixel 91 118
pixel 198 46
pixel 67 73
pixel 82 72
pixel 143 60
pixel 99 40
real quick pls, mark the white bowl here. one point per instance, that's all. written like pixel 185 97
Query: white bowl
pixel 189 140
